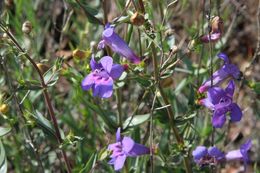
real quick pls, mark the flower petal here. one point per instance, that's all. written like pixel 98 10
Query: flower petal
pixel 212 37
pixel 230 88
pixel 235 113
pixel 103 88
pixel 93 64
pixel 206 102
pixel 218 120
pixel 107 63
pixel 233 155
pixel 118 136
pixel 138 150
pixel 87 82
pixel 224 57
pixel 116 71
pixel 119 162
pixel 199 152
pixel 128 144
pixel 215 152
pixel 215 94
pixel 244 149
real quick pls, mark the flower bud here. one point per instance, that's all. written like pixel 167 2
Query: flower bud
pixel 42 67
pixel 4 108
pixel 137 19
pixel 80 54
pixel 217 25
pixel 27 27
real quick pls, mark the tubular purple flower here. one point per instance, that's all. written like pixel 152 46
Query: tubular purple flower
pixel 117 44
pixel 242 153
pixel 227 70
pixel 124 148
pixel 210 37
pixel 102 77
pixel 221 102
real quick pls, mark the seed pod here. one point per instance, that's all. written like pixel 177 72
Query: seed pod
pixel 42 67
pixel 167 82
pixel 4 108
pixel 27 27
pixel 137 19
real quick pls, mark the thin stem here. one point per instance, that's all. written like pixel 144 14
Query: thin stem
pixel 119 107
pixel 151 133
pixel 45 94
pixel 168 108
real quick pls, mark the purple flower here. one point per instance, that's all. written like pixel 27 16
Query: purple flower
pixel 117 44
pixel 124 148
pixel 203 156
pixel 102 76
pixel 221 102
pixel 227 70
pixel 242 153
pixel 210 37
pixel 212 156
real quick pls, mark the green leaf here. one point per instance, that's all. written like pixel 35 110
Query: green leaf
pixel 90 164
pixel 3 161
pixel 4 130
pixel 43 123
pixel 135 120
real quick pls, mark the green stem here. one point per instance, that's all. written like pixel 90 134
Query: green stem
pixel 170 112
pixel 119 107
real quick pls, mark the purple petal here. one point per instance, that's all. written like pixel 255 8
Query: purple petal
pixel 101 44
pixel 215 94
pixel 128 144
pixel 212 37
pixel 112 161
pixel 230 88
pixel 232 70
pixel 87 82
pixel 218 120
pixel 206 102
pixel 199 152
pixel 103 88
pixel 235 112
pixel 107 63
pixel 119 162
pixel 244 149
pixel 118 45
pixel 224 57
pixel 217 78
pixel 93 64
pixel 233 155
pixel 215 152
pixel 118 136
pixel 116 71
pixel 138 150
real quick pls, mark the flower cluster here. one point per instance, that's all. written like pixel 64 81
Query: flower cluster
pixel 212 156
pixel 219 100
pixel 105 72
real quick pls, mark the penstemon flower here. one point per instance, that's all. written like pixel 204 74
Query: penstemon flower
pixel 117 44
pixel 221 102
pixel 212 156
pixel 124 148
pixel 102 77
pixel 227 70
